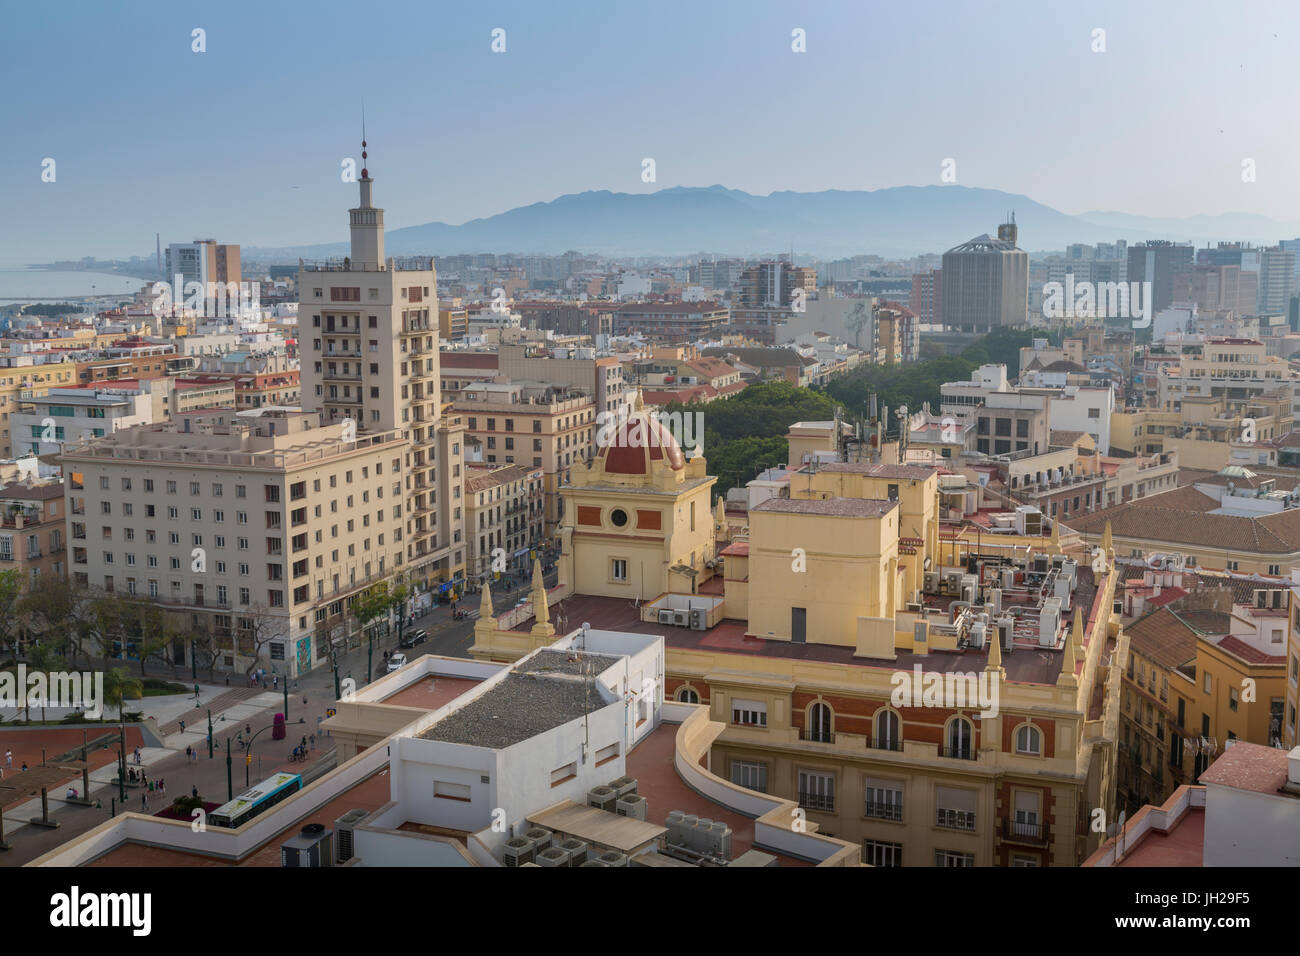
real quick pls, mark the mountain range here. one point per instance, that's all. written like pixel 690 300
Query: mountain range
pixel 683 220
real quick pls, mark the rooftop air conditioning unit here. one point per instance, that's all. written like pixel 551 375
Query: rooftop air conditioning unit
pixel 602 798
pixel 343 826
pixel 931 585
pixel 552 857
pixel 622 786
pixel 518 851
pixel 665 616
pixel 540 836
pixel 681 618
pixel 633 805
pixel 699 619
pixel 593 863
pixel 313 847
pixel 576 849
pixel 612 858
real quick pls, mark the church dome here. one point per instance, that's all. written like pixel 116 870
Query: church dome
pixel 636 443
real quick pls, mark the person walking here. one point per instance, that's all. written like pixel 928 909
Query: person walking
pixel 188 750
pixel 9 759
pixel 162 785
pixel 194 792
pixel 144 800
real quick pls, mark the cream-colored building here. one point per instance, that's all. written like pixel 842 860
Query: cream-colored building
pixel 368 341
pixel 505 511
pixel 535 425
pixel 257 528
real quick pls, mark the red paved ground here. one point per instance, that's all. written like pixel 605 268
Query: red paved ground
pixel 26 743
pixel 651 763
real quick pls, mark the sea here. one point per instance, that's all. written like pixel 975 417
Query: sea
pixel 18 284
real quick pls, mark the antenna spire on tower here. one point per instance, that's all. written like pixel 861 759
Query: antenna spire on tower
pixel 365 173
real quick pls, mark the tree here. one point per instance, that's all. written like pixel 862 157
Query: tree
pixel 43 659
pixel 256 627
pixel 119 685
pixel 398 597
pixel 11 591
pixel 368 607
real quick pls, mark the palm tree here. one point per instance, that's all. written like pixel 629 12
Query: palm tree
pixel 44 659
pixel 119 684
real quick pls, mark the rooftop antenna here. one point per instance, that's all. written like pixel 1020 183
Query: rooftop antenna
pixel 365 173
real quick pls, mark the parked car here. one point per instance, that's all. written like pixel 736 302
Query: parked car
pixel 412 638
pixel 396 661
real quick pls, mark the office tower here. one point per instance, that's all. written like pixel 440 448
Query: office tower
pixel 1157 262
pixel 986 283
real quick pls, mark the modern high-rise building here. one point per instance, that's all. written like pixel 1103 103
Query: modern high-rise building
pixel 203 261
pixel 1277 280
pixel 927 296
pixel 368 334
pixel 1157 262
pixel 986 283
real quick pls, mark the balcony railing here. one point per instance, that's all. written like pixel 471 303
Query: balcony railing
pixel 885 743
pixel 954 819
pixel 1016 831
pixel 816 801
pixel 957 753
pixel 883 811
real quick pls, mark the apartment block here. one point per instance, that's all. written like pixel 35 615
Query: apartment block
pixel 256 528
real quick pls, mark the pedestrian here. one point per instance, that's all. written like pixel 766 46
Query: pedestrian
pixel 304 741
pixel 151 786
pixel 248 729
pixel 194 792
pixel 313 740
pixel 144 800
pixel 162 785
pixel 275 682
pixel 9 758
pixel 188 751
pixel 182 726
pixel 227 680
pixel 24 768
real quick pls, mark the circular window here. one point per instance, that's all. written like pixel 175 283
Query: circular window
pixel 619 517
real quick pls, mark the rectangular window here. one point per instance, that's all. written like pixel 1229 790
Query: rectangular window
pixel 752 776
pixel 816 790
pixel 880 853
pixel 884 799
pixel 749 713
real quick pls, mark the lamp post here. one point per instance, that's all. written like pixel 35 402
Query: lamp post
pixel 248 752
pixel 209 734
pixel 230 787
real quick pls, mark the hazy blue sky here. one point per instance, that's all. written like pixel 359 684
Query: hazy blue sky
pixel 150 136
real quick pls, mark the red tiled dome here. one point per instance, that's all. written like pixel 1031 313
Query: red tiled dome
pixel 636 443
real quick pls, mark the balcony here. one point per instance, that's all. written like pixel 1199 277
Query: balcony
pixel 955 819
pixel 885 743
pixel 824 802
pixel 1030 834
pixel 957 753
pixel 883 811
pixel 816 737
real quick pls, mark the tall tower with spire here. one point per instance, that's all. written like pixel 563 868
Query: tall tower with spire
pixel 367 222
pixel 368 341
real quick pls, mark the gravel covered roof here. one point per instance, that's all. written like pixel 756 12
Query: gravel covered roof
pixel 523 705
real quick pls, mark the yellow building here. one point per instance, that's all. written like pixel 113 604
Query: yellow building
pixel 816 636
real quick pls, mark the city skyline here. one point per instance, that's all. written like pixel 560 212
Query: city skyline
pixel 718 96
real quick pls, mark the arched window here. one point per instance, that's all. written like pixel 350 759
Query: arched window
pixel 819 723
pixel 959 739
pixel 688 696
pixel 888 731
pixel 1029 740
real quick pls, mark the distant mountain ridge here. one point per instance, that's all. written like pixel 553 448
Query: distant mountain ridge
pixel 683 220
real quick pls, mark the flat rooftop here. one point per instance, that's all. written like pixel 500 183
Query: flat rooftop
pixel 370 794
pixel 523 705
pixel 829 507
pixel 1039 665
pixel 550 661
pixel 431 693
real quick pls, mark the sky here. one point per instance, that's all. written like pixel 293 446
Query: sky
pixel 244 142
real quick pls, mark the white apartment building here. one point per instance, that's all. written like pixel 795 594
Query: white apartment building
pixel 77 412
